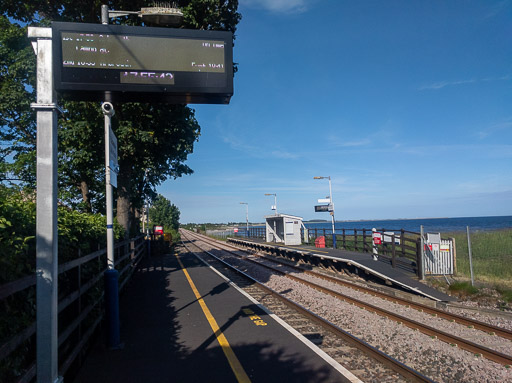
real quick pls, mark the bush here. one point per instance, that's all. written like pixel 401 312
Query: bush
pixel 78 235
pixel 77 232
pixel 17 235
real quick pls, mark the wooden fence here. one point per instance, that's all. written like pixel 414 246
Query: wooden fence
pixel 80 310
pixel 401 248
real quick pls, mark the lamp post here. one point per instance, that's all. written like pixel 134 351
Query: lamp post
pixel 246 217
pixel 275 208
pixel 165 16
pixel 331 203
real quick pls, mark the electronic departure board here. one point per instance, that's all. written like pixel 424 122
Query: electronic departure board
pixel 142 64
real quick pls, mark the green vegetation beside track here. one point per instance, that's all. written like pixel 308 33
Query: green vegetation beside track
pixel 491 255
pixel 492 266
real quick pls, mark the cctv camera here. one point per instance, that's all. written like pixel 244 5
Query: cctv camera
pixel 107 108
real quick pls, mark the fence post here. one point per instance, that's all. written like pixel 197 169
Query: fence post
pixel 375 251
pixel 454 256
pixel 393 251
pixel 470 257
pixel 355 239
pixel 421 263
pixel 132 250
pixel 344 243
pixel 402 242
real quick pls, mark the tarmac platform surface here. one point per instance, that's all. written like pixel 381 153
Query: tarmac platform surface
pixel 381 268
pixel 182 322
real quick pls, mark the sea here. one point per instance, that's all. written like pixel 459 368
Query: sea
pixel 435 225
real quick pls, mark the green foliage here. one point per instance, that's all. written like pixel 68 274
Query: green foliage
pixel 491 255
pixel 17 235
pixel 154 140
pixel 82 233
pixel 166 214
pixel 505 292
pixel 77 232
pixel 463 288
pixel 17 120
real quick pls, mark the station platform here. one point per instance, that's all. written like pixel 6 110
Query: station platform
pixel 381 268
pixel 183 322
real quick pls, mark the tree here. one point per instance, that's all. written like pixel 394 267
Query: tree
pixel 154 140
pixel 17 121
pixel 164 213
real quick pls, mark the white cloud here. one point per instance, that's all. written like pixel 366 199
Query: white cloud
pixel 258 151
pixel 282 6
pixel 338 142
pixel 495 128
pixel 444 84
pixel 497 9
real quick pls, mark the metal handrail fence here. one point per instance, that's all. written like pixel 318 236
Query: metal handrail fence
pixel 402 248
pixel 80 300
pixel 257 232
pixel 254 232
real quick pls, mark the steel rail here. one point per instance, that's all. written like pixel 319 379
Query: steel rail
pixel 494 330
pixel 361 345
pixel 473 347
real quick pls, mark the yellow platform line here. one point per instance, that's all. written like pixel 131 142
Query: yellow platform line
pixel 233 361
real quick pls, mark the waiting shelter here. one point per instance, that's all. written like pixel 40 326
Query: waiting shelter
pixel 283 228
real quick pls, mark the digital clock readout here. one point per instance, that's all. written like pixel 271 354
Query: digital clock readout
pixel 157 78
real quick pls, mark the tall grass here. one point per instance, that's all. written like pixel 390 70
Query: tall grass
pixel 491 255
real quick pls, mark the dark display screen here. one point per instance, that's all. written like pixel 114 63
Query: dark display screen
pixel 142 64
pixel 321 208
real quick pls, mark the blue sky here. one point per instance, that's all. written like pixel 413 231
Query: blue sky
pixel 406 104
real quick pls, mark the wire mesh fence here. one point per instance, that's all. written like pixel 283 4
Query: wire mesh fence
pixel 491 254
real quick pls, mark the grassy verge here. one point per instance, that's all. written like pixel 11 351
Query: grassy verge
pixel 492 266
pixel 491 254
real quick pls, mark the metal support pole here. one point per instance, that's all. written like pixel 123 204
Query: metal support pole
pixel 104 14
pixel 332 216
pixel 46 211
pixel 111 275
pixel 147 228
pixel 470 257
pixel 247 219
pixel 109 194
pixel 422 255
pixel 144 218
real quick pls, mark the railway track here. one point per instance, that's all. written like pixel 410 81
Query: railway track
pixel 366 361
pixel 451 339
pixel 489 328
pixel 461 342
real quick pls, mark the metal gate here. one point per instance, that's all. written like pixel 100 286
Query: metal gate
pixel 439 255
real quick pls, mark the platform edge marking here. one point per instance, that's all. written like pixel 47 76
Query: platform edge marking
pixel 233 361
pixel 347 375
